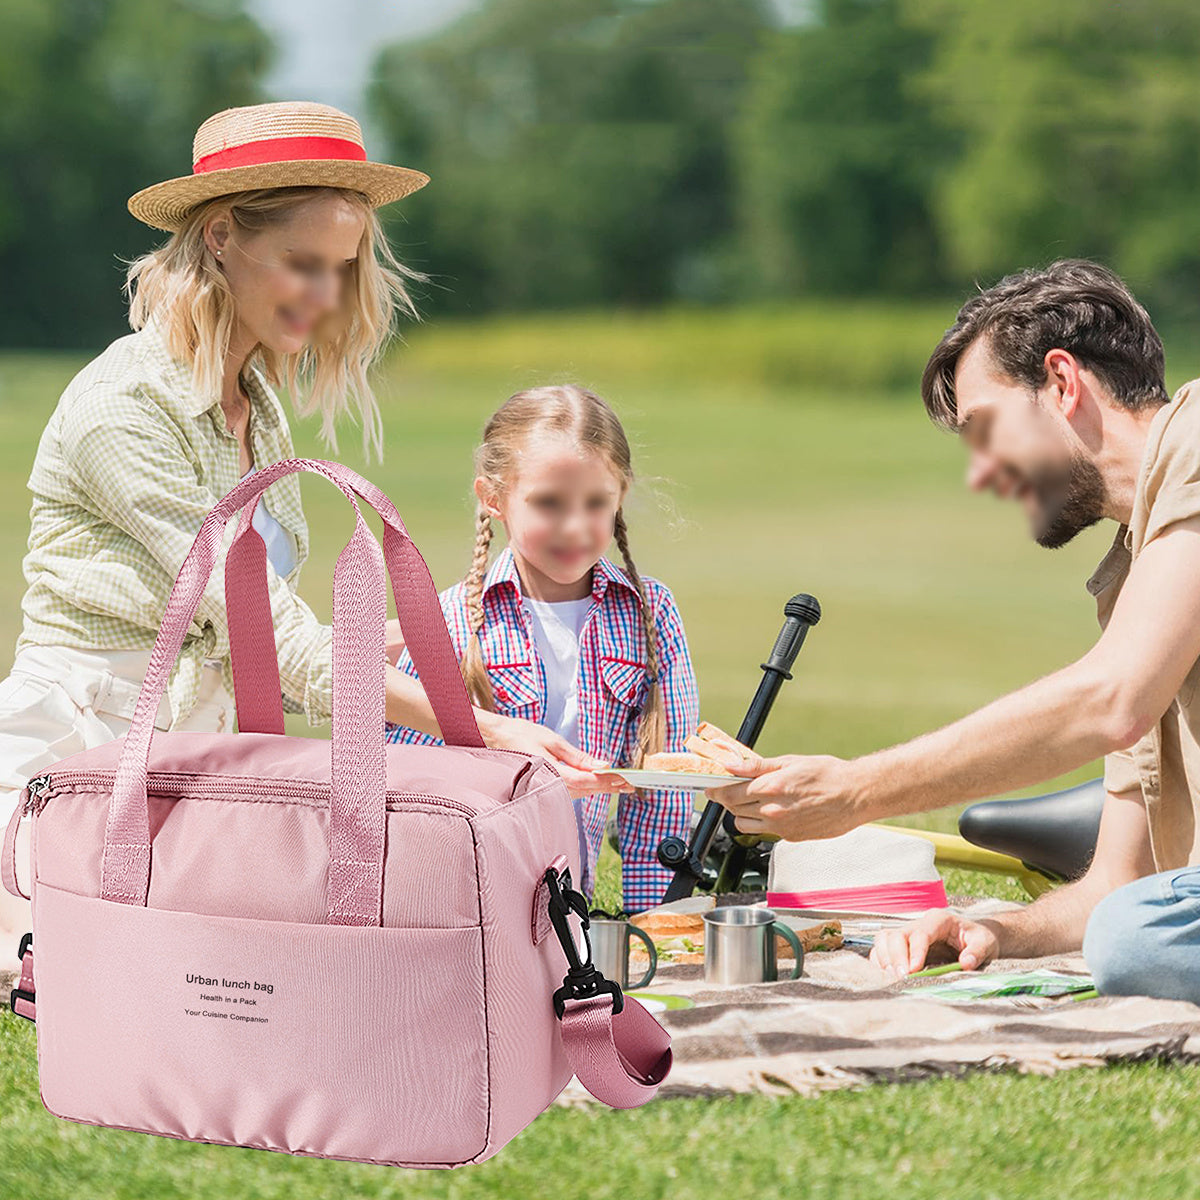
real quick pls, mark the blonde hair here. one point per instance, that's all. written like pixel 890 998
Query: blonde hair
pixel 181 285
pixel 586 419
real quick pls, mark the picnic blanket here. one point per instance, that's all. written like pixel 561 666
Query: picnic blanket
pixel 845 1024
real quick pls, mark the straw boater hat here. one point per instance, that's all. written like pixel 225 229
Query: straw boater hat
pixel 293 143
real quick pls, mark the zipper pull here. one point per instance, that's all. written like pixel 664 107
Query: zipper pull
pixel 36 789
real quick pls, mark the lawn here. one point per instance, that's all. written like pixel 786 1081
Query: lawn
pixel 780 450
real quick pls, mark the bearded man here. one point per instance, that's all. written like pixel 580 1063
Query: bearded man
pixel 1053 379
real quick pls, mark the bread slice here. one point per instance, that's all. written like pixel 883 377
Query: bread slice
pixel 684 916
pixel 669 924
pixel 694 764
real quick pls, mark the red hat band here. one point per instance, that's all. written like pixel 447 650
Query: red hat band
pixel 283 149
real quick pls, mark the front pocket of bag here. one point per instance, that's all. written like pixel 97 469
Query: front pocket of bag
pixel 365 1043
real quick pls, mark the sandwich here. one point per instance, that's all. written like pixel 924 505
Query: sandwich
pixel 712 742
pixel 710 751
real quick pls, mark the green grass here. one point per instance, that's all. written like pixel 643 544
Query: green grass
pixel 781 450
pixel 1132 1131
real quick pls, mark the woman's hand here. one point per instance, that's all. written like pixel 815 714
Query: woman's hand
pixel 901 951
pixel 582 773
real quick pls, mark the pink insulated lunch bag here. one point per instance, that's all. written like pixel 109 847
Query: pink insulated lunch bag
pixel 352 950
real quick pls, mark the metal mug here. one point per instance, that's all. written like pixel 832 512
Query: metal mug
pixel 739 945
pixel 610 950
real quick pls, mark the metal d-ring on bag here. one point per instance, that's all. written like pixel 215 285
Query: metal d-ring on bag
pixel 340 950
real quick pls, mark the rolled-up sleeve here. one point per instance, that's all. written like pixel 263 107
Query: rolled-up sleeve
pixel 1172 480
pixel 1121 772
pixel 134 470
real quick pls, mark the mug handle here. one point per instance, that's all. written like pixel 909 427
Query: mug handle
pixel 649 975
pixel 789 935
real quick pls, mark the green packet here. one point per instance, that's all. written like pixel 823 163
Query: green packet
pixel 997 984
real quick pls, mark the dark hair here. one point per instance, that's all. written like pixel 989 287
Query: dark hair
pixel 1073 305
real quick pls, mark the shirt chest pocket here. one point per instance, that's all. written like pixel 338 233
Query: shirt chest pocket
pixel 624 680
pixel 516 689
pixel 512 672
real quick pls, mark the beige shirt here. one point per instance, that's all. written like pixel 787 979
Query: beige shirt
pixel 1165 764
pixel 130 463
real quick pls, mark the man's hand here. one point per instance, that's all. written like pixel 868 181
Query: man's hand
pixel 901 951
pixel 795 796
pixel 582 773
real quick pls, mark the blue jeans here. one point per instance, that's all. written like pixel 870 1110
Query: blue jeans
pixel 1144 938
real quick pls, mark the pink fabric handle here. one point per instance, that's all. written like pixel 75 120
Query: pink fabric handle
pixel 8 856
pixel 358 768
pixel 252 651
pixel 621 1058
pixel 257 690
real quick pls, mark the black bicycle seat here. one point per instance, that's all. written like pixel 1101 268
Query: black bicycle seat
pixel 1055 834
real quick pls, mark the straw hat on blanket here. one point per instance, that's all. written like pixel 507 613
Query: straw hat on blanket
pixel 870 869
pixel 292 143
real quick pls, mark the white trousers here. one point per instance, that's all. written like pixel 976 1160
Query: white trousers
pixel 57 701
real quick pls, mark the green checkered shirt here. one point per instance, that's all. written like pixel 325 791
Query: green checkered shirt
pixel 128 466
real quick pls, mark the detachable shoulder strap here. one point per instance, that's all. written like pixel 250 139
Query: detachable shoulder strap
pixel 620 1053
pixel 21 998
pixel 621 1058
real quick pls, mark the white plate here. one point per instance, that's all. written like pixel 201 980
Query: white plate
pixel 694 781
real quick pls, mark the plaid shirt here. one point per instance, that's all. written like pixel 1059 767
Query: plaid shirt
pixel 612 686
pixel 130 463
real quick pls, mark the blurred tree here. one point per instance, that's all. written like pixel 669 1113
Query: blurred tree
pixel 1081 124
pixel 578 149
pixel 99 98
pixel 602 152
pixel 839 159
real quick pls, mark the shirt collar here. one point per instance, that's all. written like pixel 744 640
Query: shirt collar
pixel 1154 434
pixel 504 572
pixel 1116 558
pixel 178 375
pixel 1122 545
pixel 268 407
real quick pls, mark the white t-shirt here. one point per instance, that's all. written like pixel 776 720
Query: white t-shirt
pixel 279 542
pixel 556 625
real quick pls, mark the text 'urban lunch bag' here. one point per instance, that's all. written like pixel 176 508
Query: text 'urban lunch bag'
pixel 351 951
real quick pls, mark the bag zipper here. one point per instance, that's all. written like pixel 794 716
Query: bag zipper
pixel 40 787
pixel 35 793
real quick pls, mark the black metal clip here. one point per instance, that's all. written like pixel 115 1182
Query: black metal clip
pixel 582 979
pixel 19 993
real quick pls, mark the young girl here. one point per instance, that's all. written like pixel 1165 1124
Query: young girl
pixel 555 632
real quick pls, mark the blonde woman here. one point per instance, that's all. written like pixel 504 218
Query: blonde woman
pixel 277 271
